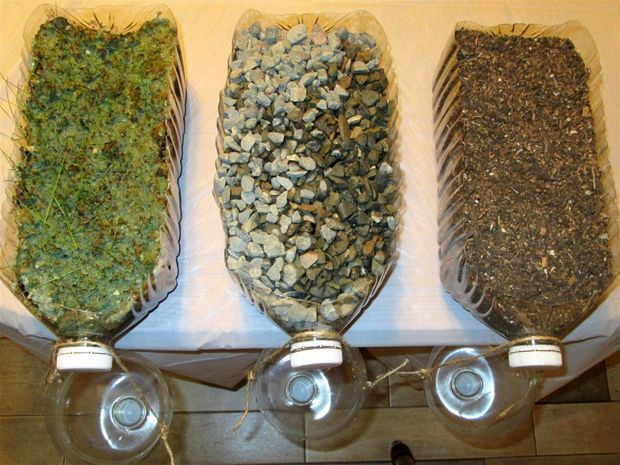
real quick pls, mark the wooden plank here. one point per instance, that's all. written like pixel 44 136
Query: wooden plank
pixel 194 396
pixel 404 393
pixel 24 441
pixel 567 429
pixel 22 381
pixel 613 376
pixel 602 459
pixel 591 386
pixel 201 438
pixel 371 434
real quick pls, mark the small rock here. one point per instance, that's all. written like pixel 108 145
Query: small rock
pixel 296 92
pixel 318 36
pixel 303 242
pixel 254 250
pixel 308 259
pixel 275 270
pixel 236 245
pixel 297 33
pixel 247 183
pixel 273 247
pixel 248 141
pixel 263 100
pixel 290 274
pixel 306 194
pixel 307 163
pixel 328 234
pixel 359 67
pixel 369 97
pixel 282 200
pixel 310 115
pixel 308 78
pixel 286 183
pixel 276 137
pixel 340 91
pixel 346 209
pixel 333 100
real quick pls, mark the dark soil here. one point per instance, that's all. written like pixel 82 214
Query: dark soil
pixel 534 207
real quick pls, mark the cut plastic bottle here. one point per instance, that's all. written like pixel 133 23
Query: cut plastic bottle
pixel 312 387
pixel 110 417
pixel 479 396
pixel 538 325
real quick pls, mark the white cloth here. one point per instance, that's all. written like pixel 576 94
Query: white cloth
pixel 207 311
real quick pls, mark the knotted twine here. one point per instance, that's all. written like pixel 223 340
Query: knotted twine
pixel 423 373
pixel 53 372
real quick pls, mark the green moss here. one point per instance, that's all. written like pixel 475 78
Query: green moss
pixel 90 200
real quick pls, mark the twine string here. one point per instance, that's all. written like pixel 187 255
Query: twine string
pixel 423 373
pixel 52 372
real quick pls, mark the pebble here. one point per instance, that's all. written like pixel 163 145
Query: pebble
pixel 333 100
pixel 286 183
pixel 310 115
pixel 282 200
pixel 255 250
pixel 248 141
pixel 369 97
pixel 275 271
pixel 236 244
pixel 308 259
pixel 307 163
pixel 296 92
pixel 276 137
pixel 247 183
pixel 297 33
pixel 328 234
pixel 273 247
pixel 290 274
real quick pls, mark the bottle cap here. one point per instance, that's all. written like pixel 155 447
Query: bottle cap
pixel 320 353
pixel 83 357
pixel 535 356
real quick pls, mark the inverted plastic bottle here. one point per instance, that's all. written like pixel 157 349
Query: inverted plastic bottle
pixel 84 339
pixel 313 386
pixel 479 396
pixel 535 329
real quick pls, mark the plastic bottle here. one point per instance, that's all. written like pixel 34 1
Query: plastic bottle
pixel 538 327
pixel 111 417
pixel 477 395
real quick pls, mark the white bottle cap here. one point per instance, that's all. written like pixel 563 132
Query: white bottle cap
pixel 83 357
pixel 321 353
pixel 535 356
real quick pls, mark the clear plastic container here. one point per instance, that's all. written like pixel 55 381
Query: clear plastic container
pixel 89 324
pixel 101 419
pixel 307 402
pixel 479 396
pixel 312 321
pixel 516 317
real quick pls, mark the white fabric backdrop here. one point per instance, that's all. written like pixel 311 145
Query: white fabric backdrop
pixel 206 311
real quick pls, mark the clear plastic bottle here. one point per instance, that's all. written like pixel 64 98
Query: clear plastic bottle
pixel 316 380
pixel 310 401
pixel 477 395
pixel 81 326
pixel 100 418
pixel 538 325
